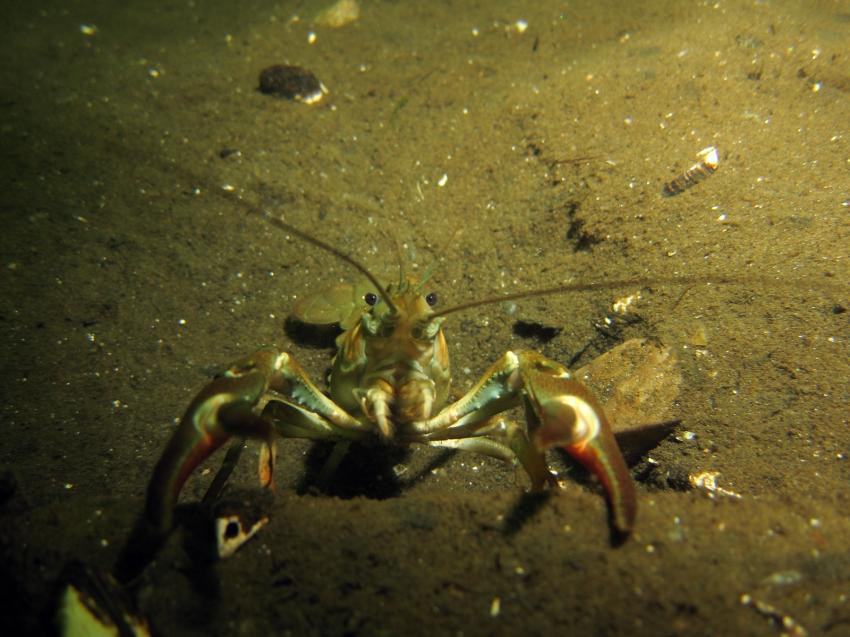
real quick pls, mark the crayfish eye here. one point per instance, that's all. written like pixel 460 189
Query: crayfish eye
pixel 371 298
pixel 431 299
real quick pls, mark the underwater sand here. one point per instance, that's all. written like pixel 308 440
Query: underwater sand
pixel 129 278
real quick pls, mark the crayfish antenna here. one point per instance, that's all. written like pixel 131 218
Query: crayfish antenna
pixel 339 254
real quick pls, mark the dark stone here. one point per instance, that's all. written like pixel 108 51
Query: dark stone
pixel 290 82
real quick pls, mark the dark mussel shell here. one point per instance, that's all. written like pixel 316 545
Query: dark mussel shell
pixel 291 82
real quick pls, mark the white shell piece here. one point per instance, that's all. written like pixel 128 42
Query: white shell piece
pixel 709 157
pixel 707 481
pixel 229 542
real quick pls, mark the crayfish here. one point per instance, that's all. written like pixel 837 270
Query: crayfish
pixel 390 384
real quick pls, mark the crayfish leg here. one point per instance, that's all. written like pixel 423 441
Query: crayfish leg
pixel 265 464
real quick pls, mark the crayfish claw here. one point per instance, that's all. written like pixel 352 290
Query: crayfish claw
pixel 91 602
pixel 225 407
pixel 566 415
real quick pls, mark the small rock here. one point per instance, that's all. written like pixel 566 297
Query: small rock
pixel 291 82
pixel 339 14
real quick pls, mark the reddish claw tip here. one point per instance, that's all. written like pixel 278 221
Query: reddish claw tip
pixel 576 422
pixel 602 457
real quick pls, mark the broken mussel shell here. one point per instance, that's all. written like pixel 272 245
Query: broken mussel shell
pixel 291 82
pixel 233 530
pixel 236 518
pixel 639 382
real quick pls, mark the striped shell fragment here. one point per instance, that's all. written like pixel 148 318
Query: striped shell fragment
pixel 708 161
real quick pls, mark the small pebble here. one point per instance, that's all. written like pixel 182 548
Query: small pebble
pixel 291 82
